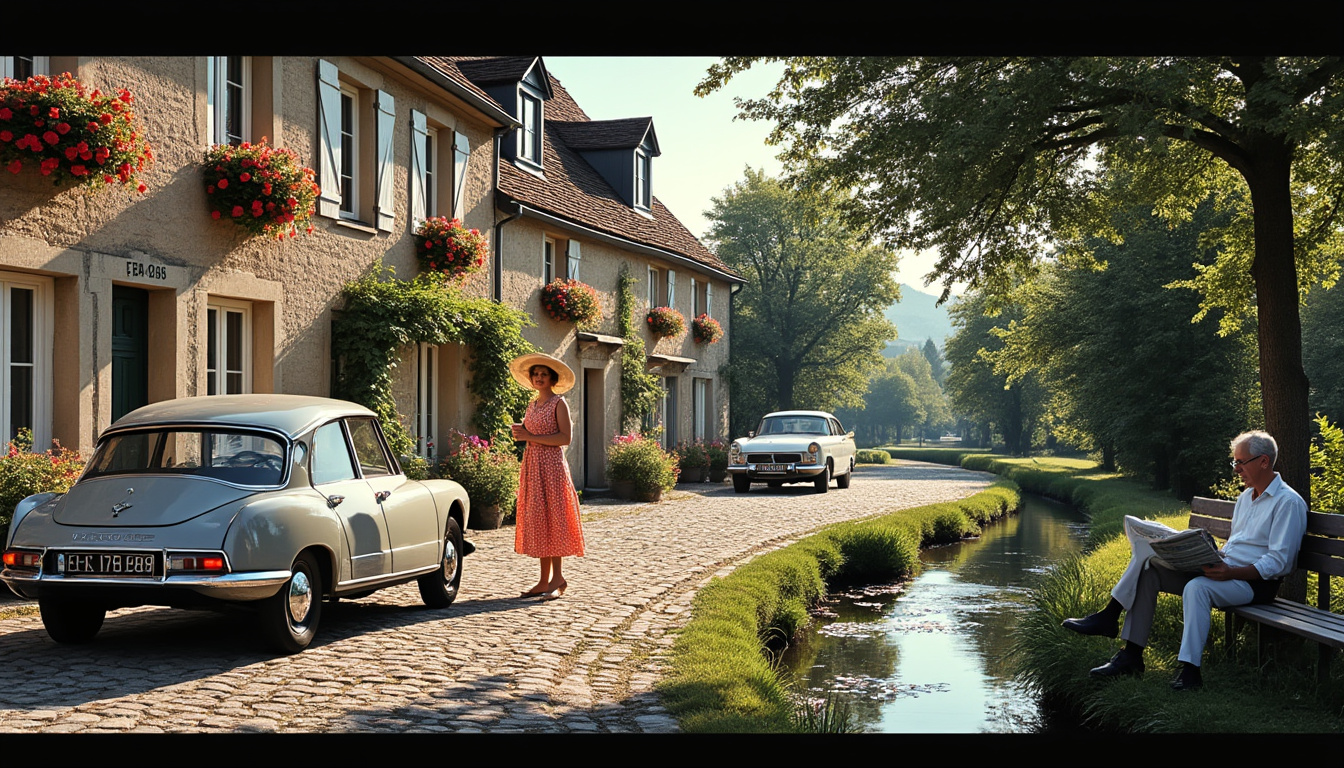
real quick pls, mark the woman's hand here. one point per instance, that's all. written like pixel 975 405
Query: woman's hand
pixel 520 433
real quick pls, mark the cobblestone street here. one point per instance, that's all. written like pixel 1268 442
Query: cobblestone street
pixel 492 662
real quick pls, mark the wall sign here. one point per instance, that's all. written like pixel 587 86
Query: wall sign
pixel 146 270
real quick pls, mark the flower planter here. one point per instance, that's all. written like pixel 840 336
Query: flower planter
pixel 652 494
pixel 692 475
pixel 623 489
pixel 444 246
pixel 718 475
pixel 486 518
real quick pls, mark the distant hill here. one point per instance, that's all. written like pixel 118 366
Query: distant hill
pixel 917 318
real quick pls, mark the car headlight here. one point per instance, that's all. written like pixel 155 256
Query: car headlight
pixel 814 448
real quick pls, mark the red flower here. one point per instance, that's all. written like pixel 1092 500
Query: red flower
pixel 5 114
pixel 237 211
pixel 71 153
pixel 223 184
pixel 214 215
pixel 245 177
pixel 62 128
pixel 141 188
pixel 50 137
pixel 15 166
pixel 105 119
pixel 78 170
pixel 53 112
pixel 6 135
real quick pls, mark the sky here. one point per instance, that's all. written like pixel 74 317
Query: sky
pixel 704 150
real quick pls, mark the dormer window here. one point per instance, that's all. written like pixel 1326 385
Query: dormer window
pixel 643 166
pixel 529 135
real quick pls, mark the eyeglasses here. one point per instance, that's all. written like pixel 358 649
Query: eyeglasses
pixel 1235 464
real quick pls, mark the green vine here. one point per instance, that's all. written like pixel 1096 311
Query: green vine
pixel 640 390
pixel 383 314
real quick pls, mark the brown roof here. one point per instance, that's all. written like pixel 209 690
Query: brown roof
pixel 572 189
pixel 626 133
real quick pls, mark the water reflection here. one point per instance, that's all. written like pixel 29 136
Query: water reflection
pixel 929 656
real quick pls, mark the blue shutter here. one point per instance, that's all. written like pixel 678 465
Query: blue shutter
pixel 419 169
pixel 329 139
pixel 385 209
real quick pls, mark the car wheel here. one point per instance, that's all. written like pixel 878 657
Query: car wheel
pixel 70 621
pixel 741 483
pixel 843 480
pixel 289 617
pixel 439 589
pixel 823 481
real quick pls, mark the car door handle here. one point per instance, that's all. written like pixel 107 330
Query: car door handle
pixel 334 501
pixel 381 496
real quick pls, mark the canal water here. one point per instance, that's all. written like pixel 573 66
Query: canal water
pixel 930 655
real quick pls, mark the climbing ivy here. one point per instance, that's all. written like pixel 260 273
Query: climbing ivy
pixel 383 314
pixel 640 390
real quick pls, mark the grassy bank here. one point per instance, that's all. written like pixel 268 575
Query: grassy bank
pixel 722 679
pixel 1237 697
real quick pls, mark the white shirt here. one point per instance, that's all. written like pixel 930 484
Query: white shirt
pixel 1267 531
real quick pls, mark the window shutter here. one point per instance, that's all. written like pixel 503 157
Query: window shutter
pixel 385 210
pixel 695 297
pixel 419 169
pixel 653 287
pixel 709 295
pixel 671 288
pixel 329 139
pixel 461 150
pixel 574 255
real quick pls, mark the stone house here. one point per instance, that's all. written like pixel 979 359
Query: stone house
pixel 110 300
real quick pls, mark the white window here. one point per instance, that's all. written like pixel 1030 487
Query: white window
pixel 529 135
pixel 24 67
pixel 700 298
pixel 669 412
pixel 695 297
pixel 700 417
pixel 572 256
pixel 426 400
pixel 672 288
pixel 26 319
pixel 643 195
pixel 349 153
pixel 653 288
pixel 709 299
pixel 344 110
pixel 228 99
pixel 547 260
pixel 228 349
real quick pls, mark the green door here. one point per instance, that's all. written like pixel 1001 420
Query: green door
pixel 130 350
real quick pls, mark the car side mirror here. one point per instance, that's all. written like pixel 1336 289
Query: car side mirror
pixel 850 434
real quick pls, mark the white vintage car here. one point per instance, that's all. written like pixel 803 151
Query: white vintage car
pixel 793 447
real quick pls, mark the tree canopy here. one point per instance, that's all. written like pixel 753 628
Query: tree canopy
pixel 989 159
pixel 808 325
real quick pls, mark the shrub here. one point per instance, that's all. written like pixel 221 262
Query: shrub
pixel 706 330
pixel 639 459
pixel 692 455
pixel 446 247
pixel 571 301
pixel 718 456
pixel 24 473
pixel 263 189
pixel 68 132
pixel 1327 464
pixel 869 456
pixel 665 323
pixel 488 473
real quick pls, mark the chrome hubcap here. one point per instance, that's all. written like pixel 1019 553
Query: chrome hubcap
pixel 300 596
pixel 449 560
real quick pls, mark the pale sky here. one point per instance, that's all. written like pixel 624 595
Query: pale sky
pixel 704 150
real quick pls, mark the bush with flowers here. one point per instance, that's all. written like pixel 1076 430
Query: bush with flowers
pixel 263 189
pixel 665 322
pixel 718 456
pixel 571 301
pixel 706 330
pixel 639 459
pixel 692 456
pixel 444 246
pixel 487 471
pixel 67 131
pixel 24 473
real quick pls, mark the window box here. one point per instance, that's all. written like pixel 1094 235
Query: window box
pixel 665 323
pixel 261 188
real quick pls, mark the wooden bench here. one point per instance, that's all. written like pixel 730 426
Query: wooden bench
pixel 1322 552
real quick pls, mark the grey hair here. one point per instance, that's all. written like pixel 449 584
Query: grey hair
pixel 1259 443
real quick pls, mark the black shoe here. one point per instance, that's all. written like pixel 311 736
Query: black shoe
pixel 1122 663
pixel 1188 679
pixel 1094 624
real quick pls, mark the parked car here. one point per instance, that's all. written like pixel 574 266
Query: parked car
pixel 273 502
pixel 793 447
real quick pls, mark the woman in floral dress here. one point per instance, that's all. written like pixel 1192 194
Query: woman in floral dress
pixel 548 524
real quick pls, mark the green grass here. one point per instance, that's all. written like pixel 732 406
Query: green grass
pixel 1237 696
pixel 722 678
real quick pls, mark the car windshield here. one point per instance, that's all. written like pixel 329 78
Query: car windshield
pixel 792 425
pixel 244 458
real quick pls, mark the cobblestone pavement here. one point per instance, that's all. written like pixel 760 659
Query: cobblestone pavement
pixel 491 662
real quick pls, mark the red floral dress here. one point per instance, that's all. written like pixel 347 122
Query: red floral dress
pixel 548 507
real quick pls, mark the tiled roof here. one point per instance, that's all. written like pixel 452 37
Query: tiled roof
pixel 448 65
pixel 571 188
pixel 504 69
pixel 626 133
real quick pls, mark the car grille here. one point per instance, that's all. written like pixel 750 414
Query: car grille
pixel 774 458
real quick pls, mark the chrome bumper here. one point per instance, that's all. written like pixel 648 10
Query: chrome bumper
pixel 248 585
pixel 793 472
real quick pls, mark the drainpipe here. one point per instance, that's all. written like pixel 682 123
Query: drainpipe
pixel 735 289
pixel 499 225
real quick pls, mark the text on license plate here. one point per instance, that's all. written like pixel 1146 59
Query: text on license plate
pixel 772 467
pixel 110 563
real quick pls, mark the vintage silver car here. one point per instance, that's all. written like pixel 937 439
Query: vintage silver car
pixel 793 447
pixel 273 502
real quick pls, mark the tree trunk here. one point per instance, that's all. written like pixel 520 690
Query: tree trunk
pixel 1283 382
pixel 1108 456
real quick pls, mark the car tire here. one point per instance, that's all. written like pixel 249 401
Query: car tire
pixel 843 480
pixel 741 483
pixel 71 621
pixel 823 481
pixel 289 618
pixel 439 589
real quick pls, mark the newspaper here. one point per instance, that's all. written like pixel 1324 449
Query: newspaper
pixel 1186 550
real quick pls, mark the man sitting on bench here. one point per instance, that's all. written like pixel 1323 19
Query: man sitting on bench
pixel 1267 526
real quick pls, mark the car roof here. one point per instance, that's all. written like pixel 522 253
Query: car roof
pixel 290 414
pixel 822 414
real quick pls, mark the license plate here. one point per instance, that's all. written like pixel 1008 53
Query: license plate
pixel 772 468
pixel 110 564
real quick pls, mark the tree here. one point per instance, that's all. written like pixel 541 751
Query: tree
pixel 1323 351
pixel 935 359
pixel 890 404
pixel 808 326
pixel 981 158
pixel 931 404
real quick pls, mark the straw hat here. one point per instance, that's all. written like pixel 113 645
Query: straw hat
pixel 522 364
